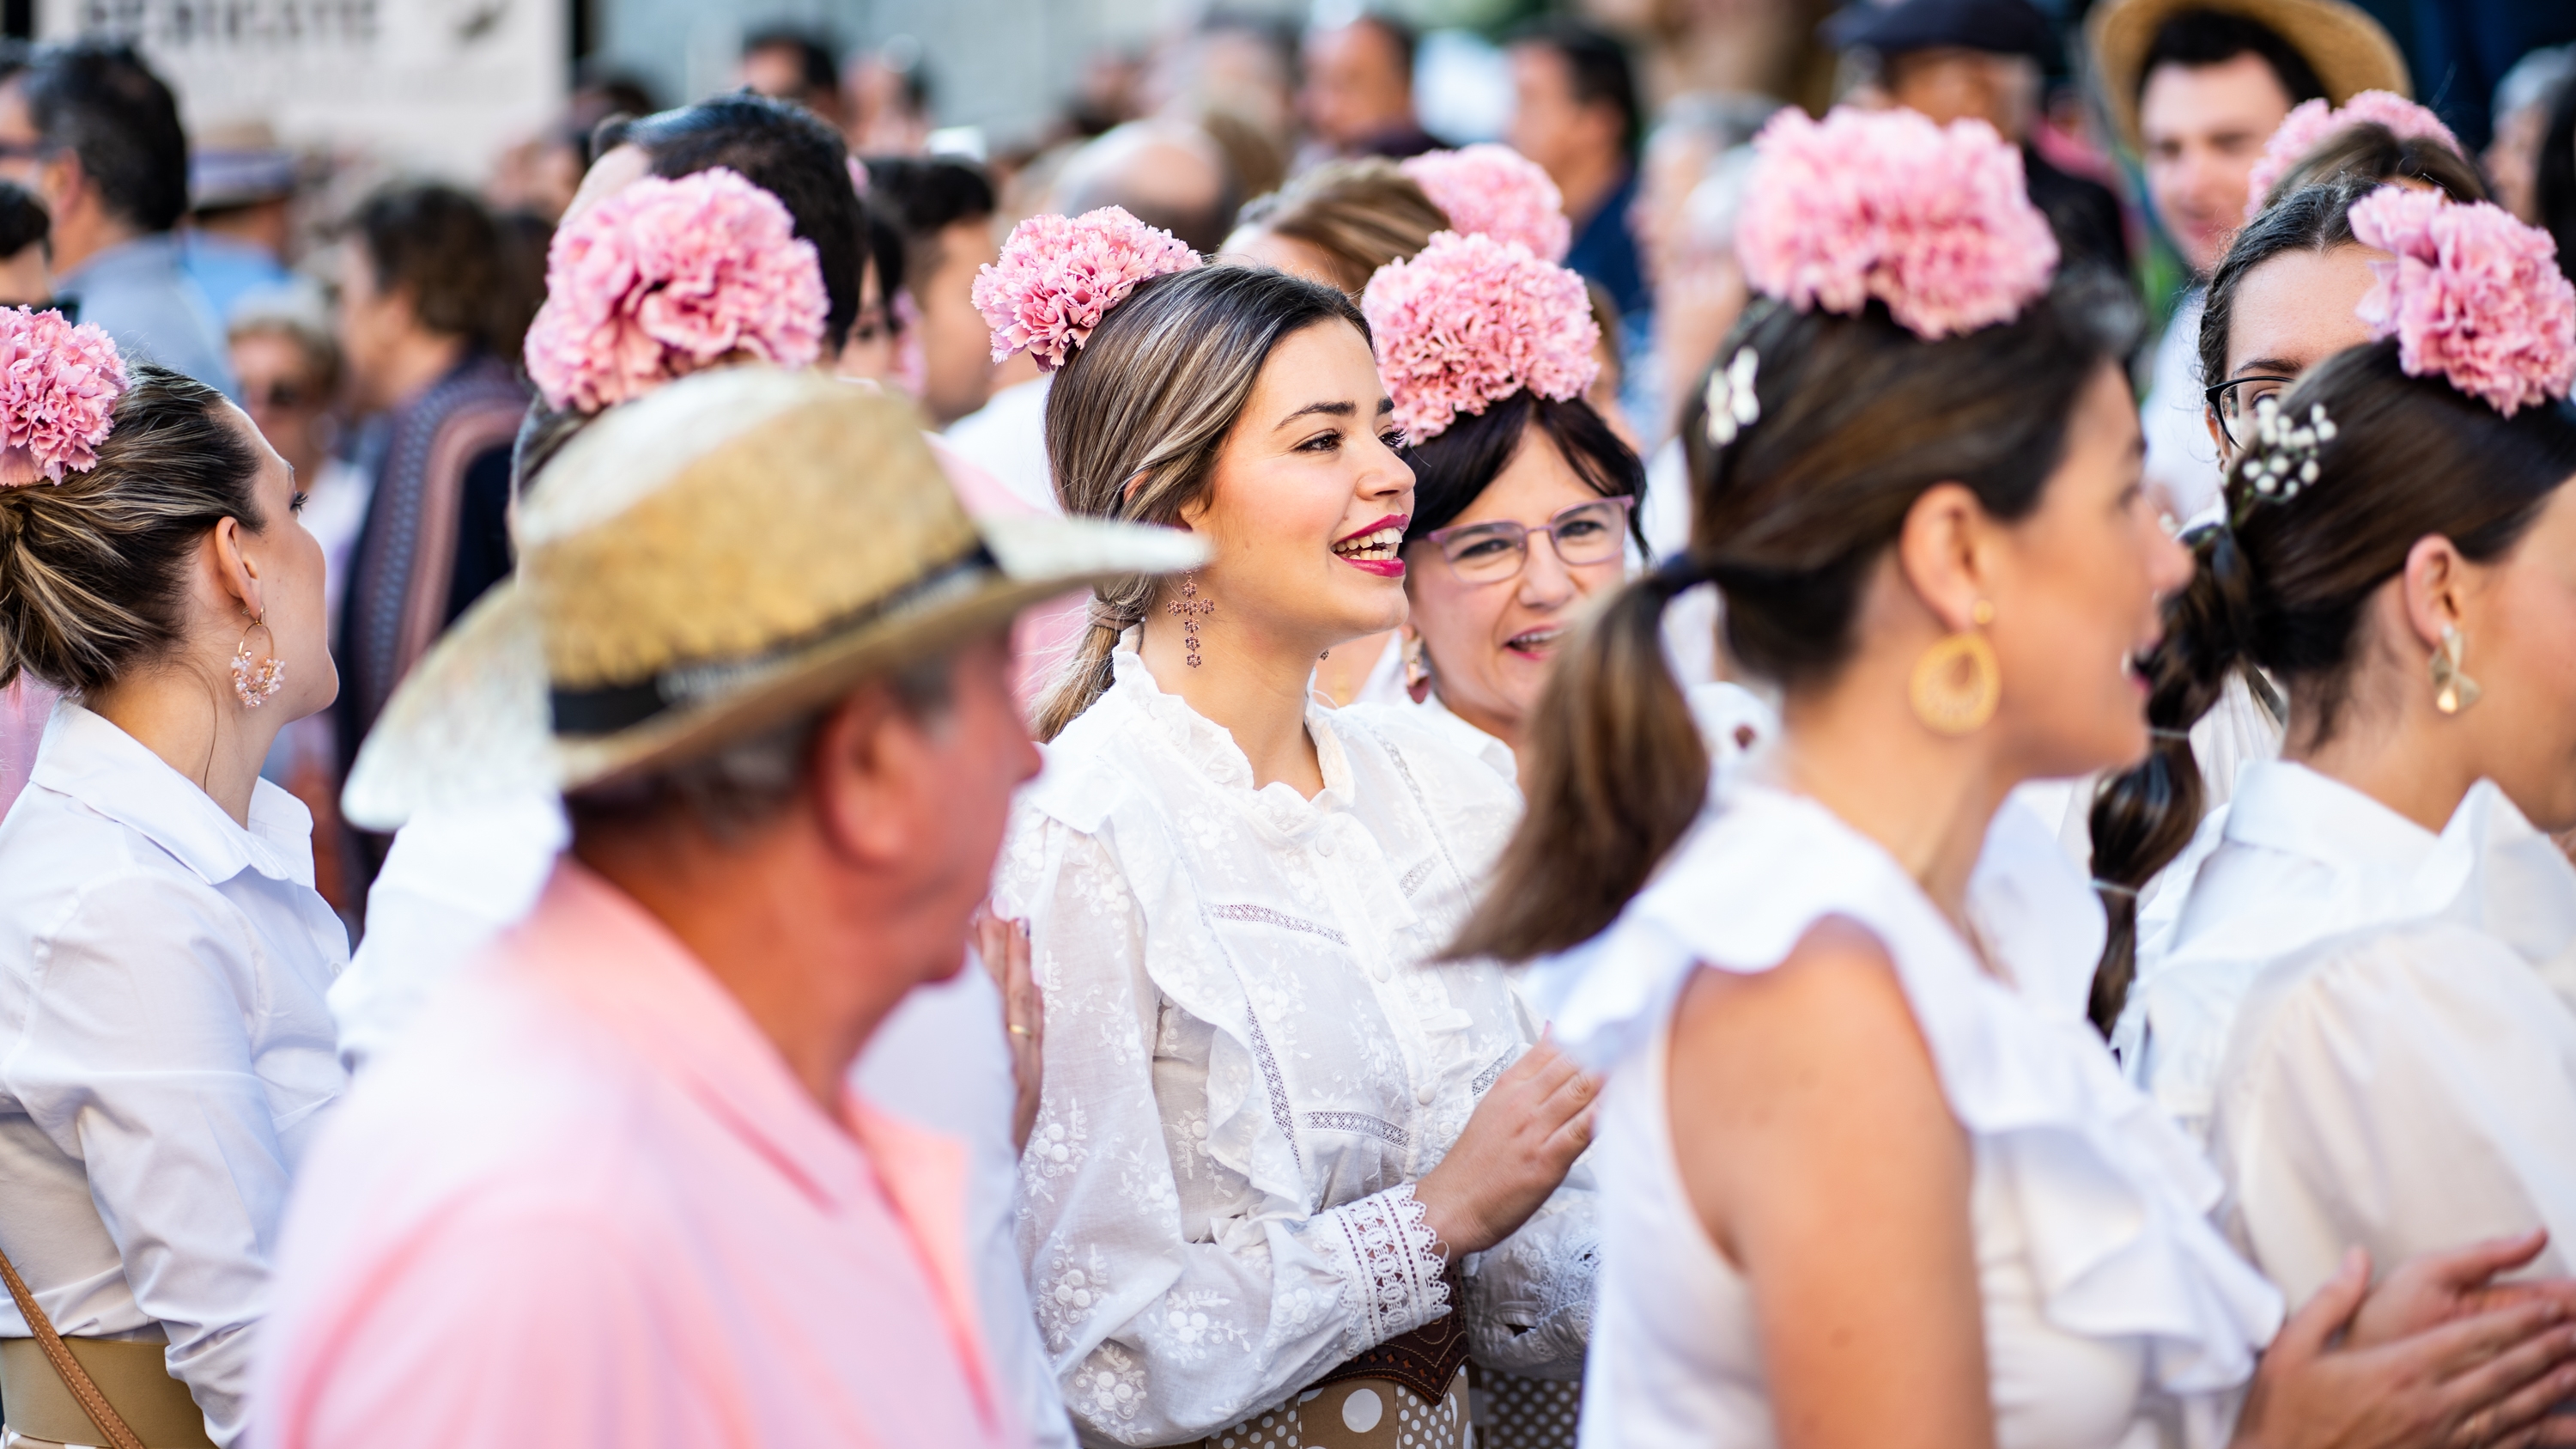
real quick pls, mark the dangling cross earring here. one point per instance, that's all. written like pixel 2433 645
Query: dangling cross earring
pixel 1190 607
pixel 256 680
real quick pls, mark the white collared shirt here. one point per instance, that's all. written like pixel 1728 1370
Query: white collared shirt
pixel 2293 859
pixel 2362 1013
pixel 165 1053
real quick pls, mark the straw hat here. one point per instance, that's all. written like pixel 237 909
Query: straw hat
pixel 717 557
pixel 2348 50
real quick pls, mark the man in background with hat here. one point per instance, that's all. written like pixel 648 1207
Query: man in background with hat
pixel 2194 88
pixel 611 1189
pixel 1986 58
pixel 241 193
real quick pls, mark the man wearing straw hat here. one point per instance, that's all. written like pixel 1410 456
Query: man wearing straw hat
pixel 2194 88
pixel 611 1188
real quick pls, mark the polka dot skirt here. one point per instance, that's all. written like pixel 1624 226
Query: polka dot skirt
pixel 1357 1414
pixel 1518 1413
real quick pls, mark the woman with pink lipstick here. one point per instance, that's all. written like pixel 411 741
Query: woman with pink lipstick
pixel 1524 498
pixel 1276 1148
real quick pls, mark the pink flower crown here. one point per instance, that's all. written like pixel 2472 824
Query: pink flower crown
pixel 668 277
pixel 1495 191
pixel 58 390
pixel 2311 123
pixel 1059 275
pixel 2469 292
pixel 1471 320
pixel 1931 220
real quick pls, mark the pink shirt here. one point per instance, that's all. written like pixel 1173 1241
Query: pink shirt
pixel 584 1202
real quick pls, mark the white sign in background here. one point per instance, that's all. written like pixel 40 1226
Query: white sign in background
pixel 430 85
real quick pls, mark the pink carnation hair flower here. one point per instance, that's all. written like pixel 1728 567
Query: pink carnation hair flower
pixel 1495 191
pixel 1059 275
pixel 2470 292
pixel 2311 123
pixel 668 277
pixel 1472 320
pixel 1931 220
pixel 58 389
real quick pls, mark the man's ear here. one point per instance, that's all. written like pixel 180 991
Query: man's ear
pixel 864 752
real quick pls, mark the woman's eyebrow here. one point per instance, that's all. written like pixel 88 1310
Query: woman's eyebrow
pixel 1333 409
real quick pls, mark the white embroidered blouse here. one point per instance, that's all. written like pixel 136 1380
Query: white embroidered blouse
pixel 1249 1060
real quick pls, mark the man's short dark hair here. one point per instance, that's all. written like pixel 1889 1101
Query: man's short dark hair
pixel 99 100
pixel 815 64
pixel 23 220
pixel 444 248
pixel 1403 37
pixel 926 195
pixel 1596 67
pixel 782 149
pixel 2214 37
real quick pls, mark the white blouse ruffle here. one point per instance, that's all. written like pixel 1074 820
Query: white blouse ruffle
pixel 2109 1201
pixel 1249 1061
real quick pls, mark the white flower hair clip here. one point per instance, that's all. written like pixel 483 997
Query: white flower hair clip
pixel 2284 457
pixel 1732 406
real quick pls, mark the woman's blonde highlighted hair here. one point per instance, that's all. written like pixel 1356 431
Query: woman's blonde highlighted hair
pixel 1136 420
pixel 94 569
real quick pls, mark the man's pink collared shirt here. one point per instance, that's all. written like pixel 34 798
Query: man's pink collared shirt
pixel 584 1202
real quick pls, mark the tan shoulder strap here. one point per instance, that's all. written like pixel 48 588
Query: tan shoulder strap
pixel 75 1378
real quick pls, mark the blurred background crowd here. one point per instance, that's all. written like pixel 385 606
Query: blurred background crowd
pixel 339 212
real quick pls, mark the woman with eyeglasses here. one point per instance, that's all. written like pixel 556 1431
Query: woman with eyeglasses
pixel 1525 500
pixel 2356 1007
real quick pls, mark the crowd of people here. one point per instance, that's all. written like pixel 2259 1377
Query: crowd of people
pixel 1251 780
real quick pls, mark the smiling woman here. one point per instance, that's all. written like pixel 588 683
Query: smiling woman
pixel 1273 1140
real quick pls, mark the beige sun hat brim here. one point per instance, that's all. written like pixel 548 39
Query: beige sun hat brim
pixel 2349 50
pixel 473 721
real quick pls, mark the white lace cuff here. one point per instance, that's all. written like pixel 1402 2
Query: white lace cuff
pixel 1392 1265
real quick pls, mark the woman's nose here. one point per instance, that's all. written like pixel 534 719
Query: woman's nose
pixel 1546 582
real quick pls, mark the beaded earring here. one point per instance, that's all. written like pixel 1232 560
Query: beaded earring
pixel 256 680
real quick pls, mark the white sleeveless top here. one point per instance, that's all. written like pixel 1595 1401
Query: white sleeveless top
pixel 2115 1314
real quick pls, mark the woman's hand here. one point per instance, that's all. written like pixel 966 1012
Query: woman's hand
pixel 1004 947
pixel 1521 1141
pixel 2436 1288
pixel 2485 1380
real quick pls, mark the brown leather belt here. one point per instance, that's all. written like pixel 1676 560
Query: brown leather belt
pixel 135 1377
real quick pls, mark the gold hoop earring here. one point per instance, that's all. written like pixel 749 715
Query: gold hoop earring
pixel 1957 682
pixel 256 680
pixel 2453 689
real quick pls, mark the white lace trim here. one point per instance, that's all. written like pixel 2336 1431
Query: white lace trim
pixel 1396 1281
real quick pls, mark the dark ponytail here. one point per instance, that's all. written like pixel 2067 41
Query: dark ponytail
pixel 2285 587
pixel 1618 773
pixel 1857 418
pixel 2144 816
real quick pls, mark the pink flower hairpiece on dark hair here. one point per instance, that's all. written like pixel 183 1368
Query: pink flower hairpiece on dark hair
pixel 668 277
pixel 1931 220
pixel 58 390
pixel 1472 320
pixel 2311 123
pixel 2469 292
pixel 1495 191
pixel 1059 275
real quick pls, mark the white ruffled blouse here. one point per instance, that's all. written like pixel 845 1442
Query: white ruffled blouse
pixel 2115 1313
pixel 2376 1023
pixel 1250 1059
